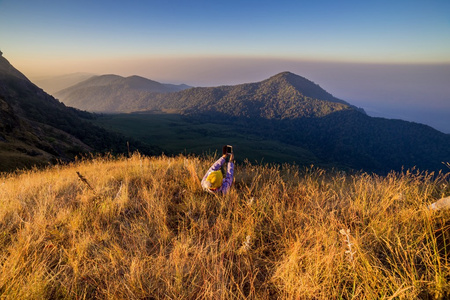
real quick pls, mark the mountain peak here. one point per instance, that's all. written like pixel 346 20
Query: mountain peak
pixel 304 86
pixel 285 74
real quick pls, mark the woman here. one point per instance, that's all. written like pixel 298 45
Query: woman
pixel 213 180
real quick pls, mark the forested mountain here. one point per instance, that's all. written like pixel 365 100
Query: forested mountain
pixel 35 128
pixel 113 93
pixel 285 95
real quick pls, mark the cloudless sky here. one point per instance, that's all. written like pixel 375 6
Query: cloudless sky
pixel 368 31
pixel 201 42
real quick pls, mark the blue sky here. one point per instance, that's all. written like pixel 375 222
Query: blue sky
pixel 364 31
pixel 348 47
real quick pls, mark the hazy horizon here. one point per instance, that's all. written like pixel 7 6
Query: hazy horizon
pixel 390 58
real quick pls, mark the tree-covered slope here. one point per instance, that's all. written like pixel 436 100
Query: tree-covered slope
pixel 35 128
pixel 355 140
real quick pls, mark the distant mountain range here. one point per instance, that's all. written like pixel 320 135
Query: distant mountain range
pixel 35 128
pixel 285 95
pixel 113 93
pixel 53 84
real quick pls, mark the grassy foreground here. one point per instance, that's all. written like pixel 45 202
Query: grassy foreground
pixel 142 228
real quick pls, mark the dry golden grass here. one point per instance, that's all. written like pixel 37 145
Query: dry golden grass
pixel 142 228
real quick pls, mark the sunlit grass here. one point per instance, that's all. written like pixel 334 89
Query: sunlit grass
pixel 141 227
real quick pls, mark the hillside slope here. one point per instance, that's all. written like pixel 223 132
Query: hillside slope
pixel 36 129
pixel 142 228
pixel 112 93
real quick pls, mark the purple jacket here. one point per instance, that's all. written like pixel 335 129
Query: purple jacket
pixel 227 181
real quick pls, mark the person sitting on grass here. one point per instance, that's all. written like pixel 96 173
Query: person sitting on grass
pixel 213 180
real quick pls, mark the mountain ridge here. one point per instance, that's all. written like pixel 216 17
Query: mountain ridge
pixel 284 95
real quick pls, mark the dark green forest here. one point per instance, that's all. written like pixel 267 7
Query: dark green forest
pixel 347 140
